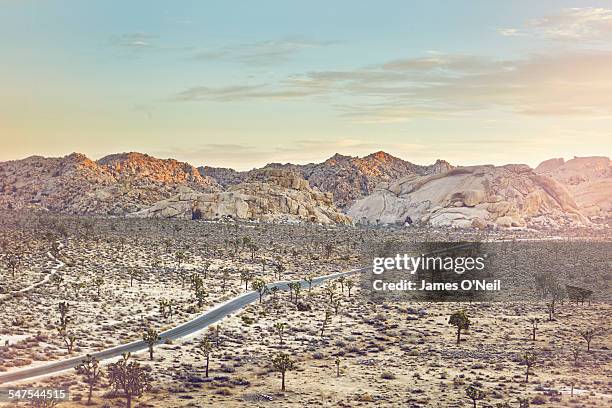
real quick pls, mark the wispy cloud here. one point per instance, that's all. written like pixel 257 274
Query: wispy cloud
pixel 261 52
pixel 141 42
pixel 241 92
pixel 135 41
pixel 437 85
pixel 580 24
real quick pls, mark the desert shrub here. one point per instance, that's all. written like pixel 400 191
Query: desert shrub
pixel 387 375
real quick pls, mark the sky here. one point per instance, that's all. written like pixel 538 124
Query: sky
pixel 241 84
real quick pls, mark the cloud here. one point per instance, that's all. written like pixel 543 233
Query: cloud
pixel 569 24
pixel 262 52
pixel 240 92
pixel 511 32
pixel 135 41
pixel 438 85
pixel 141 42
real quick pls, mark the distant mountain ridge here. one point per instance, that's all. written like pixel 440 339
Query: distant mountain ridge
pixel 375 188
pixel 115 184
pixel 348 178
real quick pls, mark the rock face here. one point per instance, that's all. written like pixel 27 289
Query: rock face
pixel 224 176
pixel 115 184
pixel 347 178
pixel 478 196
pixel 268 195
pixel 589 179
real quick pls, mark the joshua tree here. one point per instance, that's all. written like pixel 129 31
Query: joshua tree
pixel 254 250
pixel 12 262
pixel 326 321
pixel 151 336
pixel 133 272
pixel 337 362
pixel 260 287
pixel 216 332
pixel 122 241
pixel 342 281
pixel 130 378
pixel 163 305
pixel 180 257
pixel 329 247
pixel 77 286
pixel 534 326
pixel 461 321
pixel 89 369
pixel 98 281
pixel 283 363
pixel 200 295
pixel 280 268
pixel 529 359
pixel 588 335
pixel 205 267
pixel 69 339
pixel 205 347
pixel 224 278
pixel 279 329
pixel 309 279
pixel 64 318
pixel 170 307
pixel 475 394
pixel 575 353
pixel 246 276
pixel 295 287
pixel 330 291
pixel 349 286
pixel 336 305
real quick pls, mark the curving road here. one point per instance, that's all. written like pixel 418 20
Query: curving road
pixel 183 330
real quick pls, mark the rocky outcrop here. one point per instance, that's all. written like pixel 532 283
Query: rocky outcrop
pixel 589 180
pixel 347 178
pixel 270 195
pixel 224 176
pixel 114 185
pixel 478 196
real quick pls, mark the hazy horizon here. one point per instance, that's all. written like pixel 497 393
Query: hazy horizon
pixel 96 158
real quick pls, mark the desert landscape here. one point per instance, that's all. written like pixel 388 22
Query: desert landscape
pixel 403 204
pixel 120 265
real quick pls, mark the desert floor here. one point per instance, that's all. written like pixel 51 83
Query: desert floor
pixel 370 353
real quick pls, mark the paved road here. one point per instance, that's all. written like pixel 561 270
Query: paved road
pixel 183 330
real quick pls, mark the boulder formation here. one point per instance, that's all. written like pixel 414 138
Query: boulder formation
pixel 114 185
pixel 270 195
pixel 478 196
pixel 347 178
pixel 589 179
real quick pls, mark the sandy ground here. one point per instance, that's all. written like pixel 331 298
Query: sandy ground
pixel 397 354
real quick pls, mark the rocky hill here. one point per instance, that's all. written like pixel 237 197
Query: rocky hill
pixel 589 179
pixel 347 178
pixel 268 195
pixel 115 184
pixel 479 196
